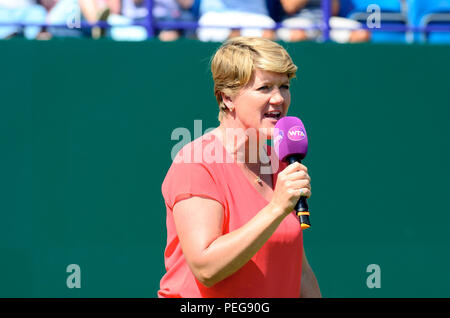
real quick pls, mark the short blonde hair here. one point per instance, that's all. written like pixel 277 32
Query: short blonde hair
pixel 236 59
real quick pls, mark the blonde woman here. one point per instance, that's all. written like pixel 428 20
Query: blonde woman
pixel 230 228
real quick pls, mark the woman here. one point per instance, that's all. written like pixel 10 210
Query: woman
pixel 231 231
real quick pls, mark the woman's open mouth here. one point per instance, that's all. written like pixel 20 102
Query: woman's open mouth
pixel 274 115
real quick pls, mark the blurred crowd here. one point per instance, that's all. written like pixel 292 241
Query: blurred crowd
pixel 217 19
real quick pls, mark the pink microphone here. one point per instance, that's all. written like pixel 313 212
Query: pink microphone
pixel 291 145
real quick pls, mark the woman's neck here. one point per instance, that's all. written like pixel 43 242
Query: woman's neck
pixel 245 145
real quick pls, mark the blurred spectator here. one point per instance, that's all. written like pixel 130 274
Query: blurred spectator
pixel 307 14
pixel 171 11
pixel 126 17
pixel 98 10
pixel 68 16
pixel 48 4
pixel 21 12
pixel 70 13
pixel 221 19
pixel 163 11
pixel 122 21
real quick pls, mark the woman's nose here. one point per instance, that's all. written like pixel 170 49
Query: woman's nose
pixel 276 97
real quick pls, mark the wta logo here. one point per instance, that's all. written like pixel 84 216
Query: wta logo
pixel 296 133
pixel 279 136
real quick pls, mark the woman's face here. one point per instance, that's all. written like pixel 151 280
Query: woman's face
pixel 264 100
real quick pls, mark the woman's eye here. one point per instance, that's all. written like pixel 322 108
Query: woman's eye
pixel 285 86
pixel 263 88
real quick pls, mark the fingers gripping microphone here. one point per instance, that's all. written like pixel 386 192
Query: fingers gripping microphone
pixel 291 145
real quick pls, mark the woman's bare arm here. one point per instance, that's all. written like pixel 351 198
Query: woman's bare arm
pixel 212 255
pixel 309 285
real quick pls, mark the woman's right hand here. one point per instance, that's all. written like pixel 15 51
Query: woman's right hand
pixel 292 183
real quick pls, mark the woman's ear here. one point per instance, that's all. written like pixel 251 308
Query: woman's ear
pixel 227 101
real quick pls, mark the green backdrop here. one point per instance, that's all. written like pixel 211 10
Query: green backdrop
pixel 85 142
